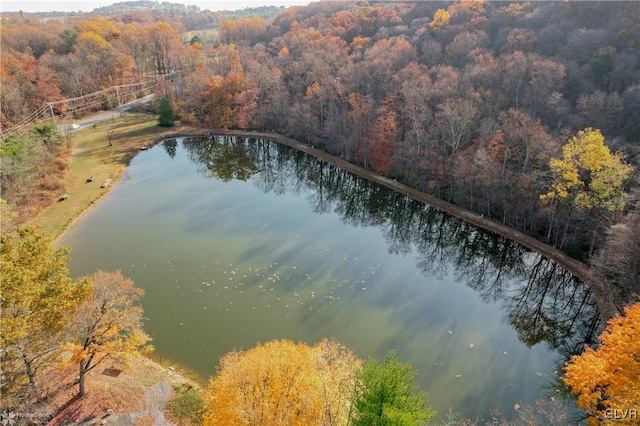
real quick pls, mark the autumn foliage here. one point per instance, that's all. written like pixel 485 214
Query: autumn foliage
pixel 607 379
pixel 588 174
pixel 479 102
pixel 108 324
pixel 469 100
pixel 283 383
pixel 38 300
pixel 46 317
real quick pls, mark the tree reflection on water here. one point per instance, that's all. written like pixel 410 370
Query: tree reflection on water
pixel 543 302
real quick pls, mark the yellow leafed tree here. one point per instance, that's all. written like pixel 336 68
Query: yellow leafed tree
pixel 440 19
pixel 216 103
pixel 37 299
pixel 588 174
pixel 283 383
pixel 607 379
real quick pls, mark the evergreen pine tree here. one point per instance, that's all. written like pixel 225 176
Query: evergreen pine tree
pixel 165 113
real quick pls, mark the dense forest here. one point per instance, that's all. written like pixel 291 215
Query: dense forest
pixel 525 112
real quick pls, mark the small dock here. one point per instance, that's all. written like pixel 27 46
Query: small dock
pixel 105 183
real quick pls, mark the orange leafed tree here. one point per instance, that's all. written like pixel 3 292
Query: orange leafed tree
pixel 383 140
pixel 607 380
pixel 359 122
pixel 245 105
pixel 216 103
pixel 283 383
pixel 108 324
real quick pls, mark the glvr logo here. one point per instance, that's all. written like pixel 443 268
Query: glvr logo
pixel 621 413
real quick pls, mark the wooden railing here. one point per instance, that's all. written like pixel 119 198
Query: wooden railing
pixel 78 106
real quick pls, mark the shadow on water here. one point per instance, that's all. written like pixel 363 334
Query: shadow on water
pixel 543 303
pixel 548 305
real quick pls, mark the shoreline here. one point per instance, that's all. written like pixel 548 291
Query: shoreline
pixel 606 300
pixel 72 222
pixel 131 151
pixel 606 303
pixel 162 376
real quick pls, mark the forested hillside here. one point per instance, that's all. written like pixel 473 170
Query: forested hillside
pixel 528 113
pixel 49 60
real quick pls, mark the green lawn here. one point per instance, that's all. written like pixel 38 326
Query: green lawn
pixel 92 156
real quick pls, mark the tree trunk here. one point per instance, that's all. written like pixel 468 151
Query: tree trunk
pixel 81 377
pixel 551 216
pixel 564 234
pixel 30 373
pixel 594 234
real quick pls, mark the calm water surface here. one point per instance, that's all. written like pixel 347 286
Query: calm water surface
pixel 238 242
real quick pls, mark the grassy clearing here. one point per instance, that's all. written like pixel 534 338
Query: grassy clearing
pixel 185 406
pixel 92 156
pixel 209 36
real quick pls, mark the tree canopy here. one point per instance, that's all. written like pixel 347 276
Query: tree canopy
pixel 588 175
pixel 467 100
pixel 606 380
pixel 283 383
pixel 38 300
pixel 109 323
pixel 387 395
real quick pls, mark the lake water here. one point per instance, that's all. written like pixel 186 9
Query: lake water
pixel 240 241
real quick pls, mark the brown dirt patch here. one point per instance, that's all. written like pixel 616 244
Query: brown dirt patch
pixel 107 394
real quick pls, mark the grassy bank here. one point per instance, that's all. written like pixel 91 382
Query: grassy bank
pixel 145 389
pixel 93 155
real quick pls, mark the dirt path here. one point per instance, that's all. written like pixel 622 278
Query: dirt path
pixel 150 410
